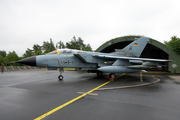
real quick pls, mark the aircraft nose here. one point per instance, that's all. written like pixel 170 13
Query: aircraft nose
pixel 28 61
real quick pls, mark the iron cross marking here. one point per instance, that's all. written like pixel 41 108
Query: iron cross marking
pixel 68 62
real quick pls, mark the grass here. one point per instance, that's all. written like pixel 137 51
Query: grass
pixel 69 69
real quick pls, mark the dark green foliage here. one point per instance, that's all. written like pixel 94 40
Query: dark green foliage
pixel 1 59
pixel 87 48
pixel 3 53
pixel 28 53
pixel 37 49
pixel 48 46
pixel 78 44
pixel 60 45
pixel 38 52
pixel 11 58
pixel 174 44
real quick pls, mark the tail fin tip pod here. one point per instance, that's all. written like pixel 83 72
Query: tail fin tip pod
pixel 135 48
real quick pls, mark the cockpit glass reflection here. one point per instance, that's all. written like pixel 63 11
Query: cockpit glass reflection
pixel 65 51
pixel 53 52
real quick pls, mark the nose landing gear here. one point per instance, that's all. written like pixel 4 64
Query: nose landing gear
pixel 60 77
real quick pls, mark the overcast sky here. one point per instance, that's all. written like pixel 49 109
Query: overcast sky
pixel 24 23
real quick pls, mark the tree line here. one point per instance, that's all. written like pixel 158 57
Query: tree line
pixel 46 47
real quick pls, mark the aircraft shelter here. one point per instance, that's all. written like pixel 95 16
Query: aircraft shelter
pixel 153 49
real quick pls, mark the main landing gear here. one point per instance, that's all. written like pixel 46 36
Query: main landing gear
pixel 112 76
pixel 99 74
pixel 60 77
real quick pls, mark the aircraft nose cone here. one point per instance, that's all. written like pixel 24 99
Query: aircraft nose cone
pixel 28 61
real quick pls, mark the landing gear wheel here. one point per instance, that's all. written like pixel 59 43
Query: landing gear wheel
pixel 99 74
pixel 60 77
pixel 61 70
pixel 112 76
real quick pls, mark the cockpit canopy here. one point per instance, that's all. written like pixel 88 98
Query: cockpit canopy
pixel 65 51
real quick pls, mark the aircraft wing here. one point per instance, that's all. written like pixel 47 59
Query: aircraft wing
pixel 80 57
pixel 132 58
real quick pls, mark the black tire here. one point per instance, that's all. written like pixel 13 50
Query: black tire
pixel 112 75
pixel 99 74
pixel 60 77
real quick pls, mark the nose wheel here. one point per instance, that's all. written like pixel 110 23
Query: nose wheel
pixel 60 77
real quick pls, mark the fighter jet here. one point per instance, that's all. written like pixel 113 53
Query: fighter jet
pixel 120 61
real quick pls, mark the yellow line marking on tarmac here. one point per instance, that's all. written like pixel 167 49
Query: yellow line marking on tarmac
pixel 65 104
pixel 87 93
pixel 131 85
pixel 71 101
pixel 121 75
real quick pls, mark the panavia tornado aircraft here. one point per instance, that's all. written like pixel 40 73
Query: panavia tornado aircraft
pixel 124 60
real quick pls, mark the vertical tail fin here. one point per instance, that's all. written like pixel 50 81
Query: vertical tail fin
pixel 136 47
